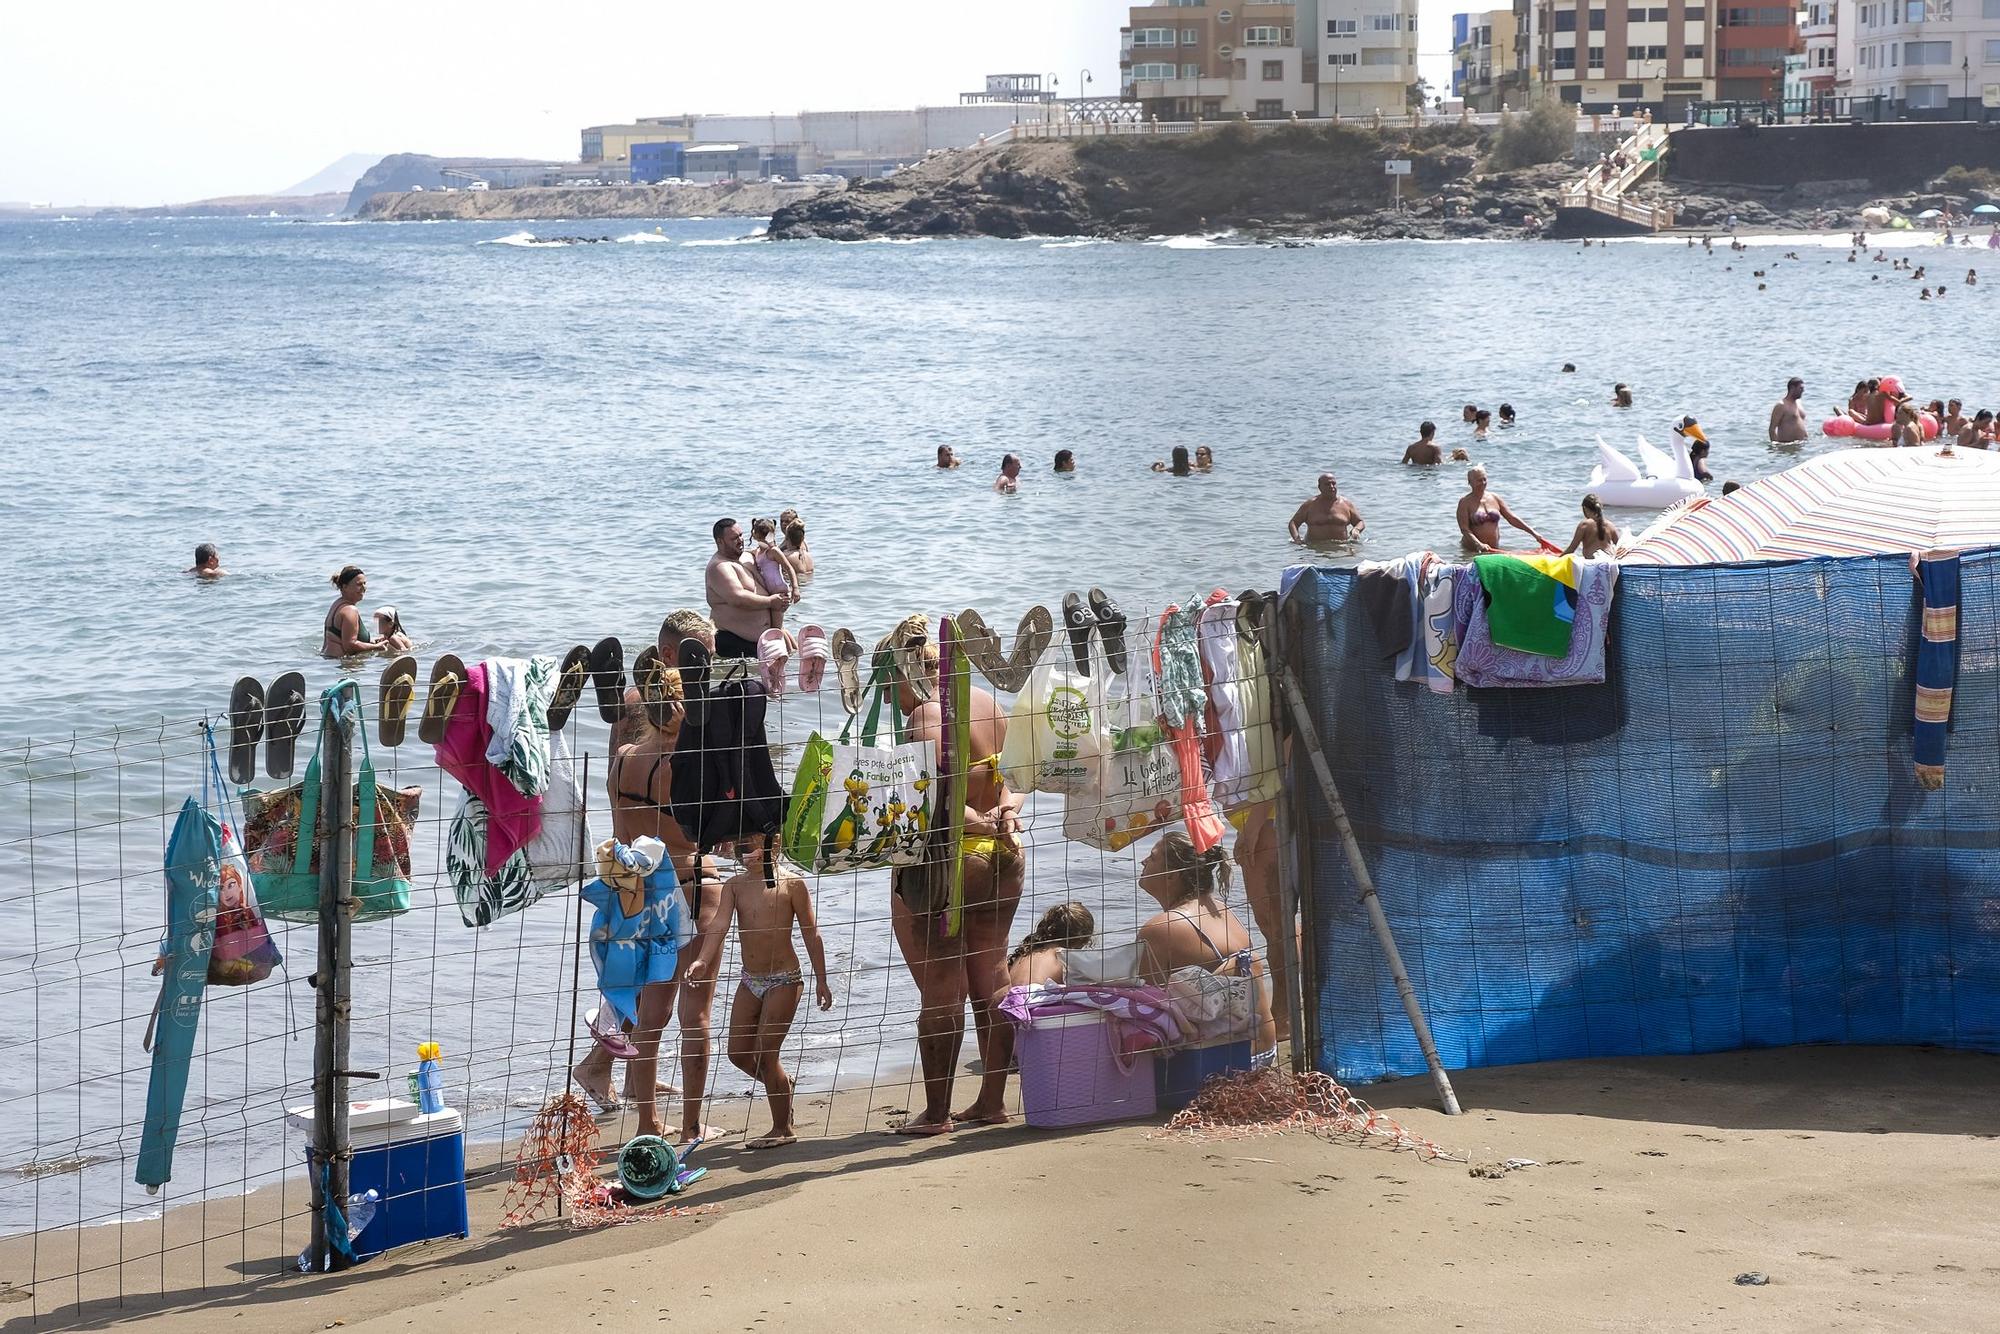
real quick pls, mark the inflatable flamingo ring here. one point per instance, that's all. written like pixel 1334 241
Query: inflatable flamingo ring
pixel 1842 426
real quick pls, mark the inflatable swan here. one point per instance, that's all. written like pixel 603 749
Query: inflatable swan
pixel 1616 480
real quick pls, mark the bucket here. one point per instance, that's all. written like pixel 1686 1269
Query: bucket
pixel 1072 1073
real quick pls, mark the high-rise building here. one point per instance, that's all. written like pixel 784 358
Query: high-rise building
pixel 1180 59
pixel 1523 78
pixel 1925 56
pixel 1367 54
pixel 1599 56
pixel 1482 53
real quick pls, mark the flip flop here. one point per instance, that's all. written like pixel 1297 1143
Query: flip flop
pixel 847 662
pixel 1031 640
pixel 649 674
pixel 246 727
pixel 604 1030
pixel 773 654
pixel 1111 629
pixel 441 700
pixel 695 660
pixel 813 658
pixel 284 715
pixel 908 657
pixel 1079 624
pixel 607 673
pixel 574 672
pixel 922 1130
pixel 772 1141
pixel 399 687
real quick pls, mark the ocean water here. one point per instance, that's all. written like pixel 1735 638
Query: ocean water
pixel 525 445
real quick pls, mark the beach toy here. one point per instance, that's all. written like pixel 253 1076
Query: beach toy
pixel 648 1168
pixel 1844 427
pixel 430 1078
pixel 1616 480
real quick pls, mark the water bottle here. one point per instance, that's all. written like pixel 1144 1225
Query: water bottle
pixel 360 1209
pixel 430 1078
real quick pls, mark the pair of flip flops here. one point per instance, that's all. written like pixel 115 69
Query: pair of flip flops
pixel 1103 618
pixel 1009 672
pixel 274 717
pixel 448 678
pixel 814 654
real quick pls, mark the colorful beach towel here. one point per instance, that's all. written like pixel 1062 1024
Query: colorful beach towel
pixel 1482 662
pixel 1530 601
pixel 1937 668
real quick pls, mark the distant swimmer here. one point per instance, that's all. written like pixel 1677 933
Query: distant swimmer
pixel 1425 450
pixel 1065 460
pixel 1506 414
pixel 1177 463
pixel 1788 414
pixel 1008 482
pixel 946 457
pixel 1978 433
pixel 1595 533
pixel 1481 424
pixel 1621 396
pixel 1569 368
pixel 1480 512
pixel 1326 517
pixel 1952 419
pixel 207 563
pixel 341 633
pixel 1469 413
pixel 1204 459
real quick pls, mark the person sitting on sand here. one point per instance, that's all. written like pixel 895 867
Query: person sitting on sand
pixel 1194 929
pixel 340 636
pixel 1480 512
pixel 1065 460
pixel 767 997
pixel 946 458
pixel 1595 533
pixel 1425 450
pixel 1009 480
pixel 794 545
pixel 1177 464
pixel 1040 955
pixel 1621 396
pixel 1326 516
pixel 207 563
pixel 971 965
pixel 389 631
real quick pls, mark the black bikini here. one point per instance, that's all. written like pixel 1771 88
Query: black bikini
pixel 1219 955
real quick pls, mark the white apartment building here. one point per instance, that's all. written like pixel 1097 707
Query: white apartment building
pixel 1925 55
pixel 1182 59
pixel 1819 30
pixel 1367 56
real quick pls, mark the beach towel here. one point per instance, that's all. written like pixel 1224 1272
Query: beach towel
pixel 517 715
pixel 1440 631
pixel 1183 704
pixel 1139 1014
pixel 1936 668
pixel 193 884
pixel 512 816
pixel 1383 589
pixel 1530 601
pixel 1481 662
pixel 636 930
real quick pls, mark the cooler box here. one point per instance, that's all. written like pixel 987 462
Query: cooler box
pixel 1182 1073
pixel 1072 1073
pixel 414 1160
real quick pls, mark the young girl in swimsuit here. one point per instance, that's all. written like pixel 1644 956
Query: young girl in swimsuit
pixel 775 571
pixel 1039 956
pixel 1595 533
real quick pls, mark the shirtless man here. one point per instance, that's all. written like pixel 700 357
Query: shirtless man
pixel 639 779
pixel 950 970
pixel 1325 517
pixel 768 996
pixel 1788 415
pixel 739 604
pixel 1425 450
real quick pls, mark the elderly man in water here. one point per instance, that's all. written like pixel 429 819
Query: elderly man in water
pixel 1325 517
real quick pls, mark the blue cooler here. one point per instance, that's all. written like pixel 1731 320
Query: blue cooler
pixel 1181 1073
pixel 414 1160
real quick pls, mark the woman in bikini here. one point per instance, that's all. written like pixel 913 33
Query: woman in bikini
pixel 1193 928
pixel 1480 512
pixel 972 966
pixel 1595 533
pixel 340 635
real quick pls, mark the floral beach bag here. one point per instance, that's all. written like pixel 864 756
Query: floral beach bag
pixel 861 805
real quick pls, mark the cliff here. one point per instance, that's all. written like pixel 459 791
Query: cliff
pixel 740 199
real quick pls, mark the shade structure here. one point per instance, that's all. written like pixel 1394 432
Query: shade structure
pixel 1986 208
pixel 1857 502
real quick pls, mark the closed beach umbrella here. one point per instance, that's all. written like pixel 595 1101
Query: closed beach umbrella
pixel 1857 502
pixel 1986 208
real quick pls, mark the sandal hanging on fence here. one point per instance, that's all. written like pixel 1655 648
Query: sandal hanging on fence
pixel 246 727
pixel 607 673
pixel 284 715
pixel 570 679
pixel 447 679
pixel 399 687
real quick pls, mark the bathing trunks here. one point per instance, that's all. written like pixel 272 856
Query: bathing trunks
pixel 760 983
pixel 728 645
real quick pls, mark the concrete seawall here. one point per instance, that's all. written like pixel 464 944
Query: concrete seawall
pixel 1889 157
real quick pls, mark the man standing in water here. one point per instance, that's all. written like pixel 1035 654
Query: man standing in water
pixel 1788 414
pixel 1325 517
pixel 739 604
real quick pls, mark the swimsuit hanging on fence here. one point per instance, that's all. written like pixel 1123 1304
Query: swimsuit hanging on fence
pixel 1183 699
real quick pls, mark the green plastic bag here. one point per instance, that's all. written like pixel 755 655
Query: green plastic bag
pixel 862 805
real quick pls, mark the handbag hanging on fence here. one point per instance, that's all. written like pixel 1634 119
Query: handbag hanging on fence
pixel 281 835
pixel 862 806
pixel 244 951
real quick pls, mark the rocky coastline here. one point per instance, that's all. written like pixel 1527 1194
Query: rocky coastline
pixel 753 199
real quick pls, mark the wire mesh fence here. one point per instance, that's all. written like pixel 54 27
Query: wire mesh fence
pixel 85 823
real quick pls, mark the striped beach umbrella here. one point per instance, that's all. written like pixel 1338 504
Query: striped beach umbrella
pixel 1857 502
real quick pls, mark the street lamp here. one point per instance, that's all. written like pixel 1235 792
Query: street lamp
pixel 1965 86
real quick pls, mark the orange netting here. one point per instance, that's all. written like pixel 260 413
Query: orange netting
pixel 1249 1103
pixel 557 1161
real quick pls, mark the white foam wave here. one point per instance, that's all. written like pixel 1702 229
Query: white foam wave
pixel 1072 245
pixel 525 239
pixel 727 240
pixel 646 238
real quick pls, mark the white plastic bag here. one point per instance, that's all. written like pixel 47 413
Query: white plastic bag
pixel 1134 785
pixel 1054 731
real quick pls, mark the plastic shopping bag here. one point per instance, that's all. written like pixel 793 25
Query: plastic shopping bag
pixel 1054 732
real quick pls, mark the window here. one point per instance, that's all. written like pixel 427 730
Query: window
pixel 1656 53
pixel 1926 53
pixel 1565 20
pixel 1764 57
pixel 1628 91
pixel 1152 37
pixel 1635 53
pixel 1383 23
pixel 1572 95
pixel 1343 58
pixel 1693 51
pixel 1991 9
pixel 1274 70
pixel 1152 71
pixel 1190 71
pixel 1597 57
pixel 1597 20
pixel 1346 27
pixel 1928 96
pixel 1383 55
pixel 1635 16
pixel 1695 14
pixel 1914 12
pixel 1993 53
pixel 1656 16
pixel 1262 36
pixel 1190 36
pixel 1269 108
pixel 1758 17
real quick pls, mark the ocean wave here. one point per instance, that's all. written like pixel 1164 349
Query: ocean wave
pixel 1078 242
pixel 526 240
pixel 1207 241
pixel 752 239
pixel 645 238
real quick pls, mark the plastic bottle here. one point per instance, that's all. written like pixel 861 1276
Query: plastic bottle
pixel 430 1078
pixel 360 1209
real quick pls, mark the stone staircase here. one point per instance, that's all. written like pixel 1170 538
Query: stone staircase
pixel 1595 204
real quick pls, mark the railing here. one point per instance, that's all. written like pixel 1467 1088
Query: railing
pixel 1605 194
pixel 1657 217
pixel 1091 128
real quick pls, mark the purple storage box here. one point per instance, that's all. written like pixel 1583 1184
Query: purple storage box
pixel 1072 1073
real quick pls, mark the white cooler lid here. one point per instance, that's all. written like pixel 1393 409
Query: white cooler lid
pixel 383 1121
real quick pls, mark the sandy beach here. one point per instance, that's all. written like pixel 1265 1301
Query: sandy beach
pixel 1860 1181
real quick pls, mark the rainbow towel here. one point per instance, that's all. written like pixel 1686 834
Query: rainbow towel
pixel 1530 601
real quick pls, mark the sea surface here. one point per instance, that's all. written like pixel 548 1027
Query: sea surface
pixel 525 445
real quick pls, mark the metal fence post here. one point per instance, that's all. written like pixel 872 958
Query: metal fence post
pixel 331 992
pixel 1301 1015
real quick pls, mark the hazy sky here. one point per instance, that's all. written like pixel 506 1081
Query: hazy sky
pixel 145 101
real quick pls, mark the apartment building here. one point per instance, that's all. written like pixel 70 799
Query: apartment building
pixel 1366 56
pixel 1938 56
pixel 1186 58
pixel 1482 52
pixel 1524 71
pixel 1819 35
pixel 1751 44
pixel 1600 55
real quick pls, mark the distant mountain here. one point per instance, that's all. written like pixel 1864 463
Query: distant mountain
pixel 409 171
pixel 337 178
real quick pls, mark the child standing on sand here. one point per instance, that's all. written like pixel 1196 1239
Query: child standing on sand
pixel 768 997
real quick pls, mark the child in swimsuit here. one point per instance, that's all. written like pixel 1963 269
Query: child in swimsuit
pixel 768 997
pixel 774 569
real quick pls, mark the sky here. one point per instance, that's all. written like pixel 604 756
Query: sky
pixel 144 102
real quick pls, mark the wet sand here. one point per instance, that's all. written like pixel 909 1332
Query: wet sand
pixel 1861 1181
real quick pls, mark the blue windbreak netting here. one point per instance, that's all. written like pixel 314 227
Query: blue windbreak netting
pixel 1722 846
